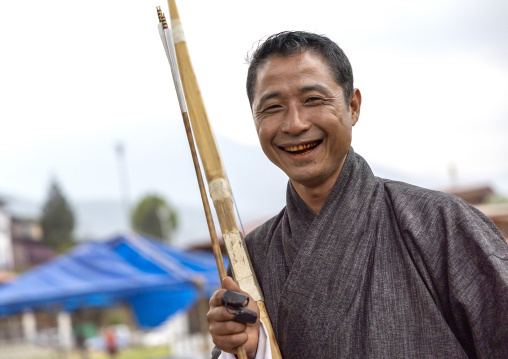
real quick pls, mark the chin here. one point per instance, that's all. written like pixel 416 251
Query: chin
pixel 314 178
pixel 309 181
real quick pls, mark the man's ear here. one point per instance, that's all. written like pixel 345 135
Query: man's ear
pixel 355 102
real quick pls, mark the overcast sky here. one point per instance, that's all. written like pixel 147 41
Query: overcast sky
pixel 78 77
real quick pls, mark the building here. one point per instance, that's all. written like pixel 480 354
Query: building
pixel 27 245
pixel 21 245
pixel 486 200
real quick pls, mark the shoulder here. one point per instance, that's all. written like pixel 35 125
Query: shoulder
pixel 422 200
pixel 414 203
pixel 436 218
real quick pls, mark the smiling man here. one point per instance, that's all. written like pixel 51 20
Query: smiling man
pixel 356 266
pixel 304 122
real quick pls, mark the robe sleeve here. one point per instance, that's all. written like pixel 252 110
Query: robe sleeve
pixel 463 260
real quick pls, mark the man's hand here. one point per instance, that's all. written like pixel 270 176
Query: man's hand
pixel 227 334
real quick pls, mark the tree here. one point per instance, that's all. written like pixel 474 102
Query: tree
pixel 57 219
pixel 154 217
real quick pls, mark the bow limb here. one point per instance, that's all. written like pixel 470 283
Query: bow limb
pixel 219 187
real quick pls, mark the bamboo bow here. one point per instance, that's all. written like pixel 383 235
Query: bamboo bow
pixel 219 188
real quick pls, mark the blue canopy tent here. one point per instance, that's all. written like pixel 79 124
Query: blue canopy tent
pixel 154 278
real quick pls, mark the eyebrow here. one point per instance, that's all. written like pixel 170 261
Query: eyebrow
pixel 268 96
pixel 316 87
pixel 309 88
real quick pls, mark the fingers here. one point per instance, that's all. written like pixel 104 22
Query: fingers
pixel 230 343
pixel 227 334
pixel 218 313
pixel 227 328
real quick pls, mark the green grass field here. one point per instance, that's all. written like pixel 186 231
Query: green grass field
pixel 131 353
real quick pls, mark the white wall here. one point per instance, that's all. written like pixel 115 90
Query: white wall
pixel 6 255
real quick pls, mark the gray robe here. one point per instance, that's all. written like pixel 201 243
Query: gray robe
pixel 384 270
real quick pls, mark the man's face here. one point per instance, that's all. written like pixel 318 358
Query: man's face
pixel 302 119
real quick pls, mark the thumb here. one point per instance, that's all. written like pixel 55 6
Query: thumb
pixel 230 284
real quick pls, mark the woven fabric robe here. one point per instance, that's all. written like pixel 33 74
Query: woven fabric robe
pixel 384 270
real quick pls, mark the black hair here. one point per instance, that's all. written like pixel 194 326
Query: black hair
pixel 289 43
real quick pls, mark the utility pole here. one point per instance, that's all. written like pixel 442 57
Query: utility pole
pixel 164 215
pixel 124 182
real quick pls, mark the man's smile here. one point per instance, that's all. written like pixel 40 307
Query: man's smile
pixel 302 148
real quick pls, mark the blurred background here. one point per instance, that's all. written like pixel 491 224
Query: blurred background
pixel 92 143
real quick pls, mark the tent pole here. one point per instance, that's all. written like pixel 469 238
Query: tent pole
pixel 64 322
pixel 29 326
pixel 202 309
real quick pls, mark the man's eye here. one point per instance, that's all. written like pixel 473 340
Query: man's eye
pixel 272 108
pixel 313 99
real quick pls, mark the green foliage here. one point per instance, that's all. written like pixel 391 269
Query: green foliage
pixel 154 217
pixel 497 199
pixel 57 219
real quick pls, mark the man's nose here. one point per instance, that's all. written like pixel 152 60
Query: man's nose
pixel 295 121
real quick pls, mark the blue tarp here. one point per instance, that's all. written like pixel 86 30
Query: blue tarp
pixel 154 278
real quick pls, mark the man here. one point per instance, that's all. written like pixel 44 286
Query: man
pixel 357 266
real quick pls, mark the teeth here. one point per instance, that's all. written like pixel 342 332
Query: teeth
pixel 300 147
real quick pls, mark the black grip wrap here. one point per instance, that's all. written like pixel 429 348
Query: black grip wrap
pixel 245 316
pixel 234 299
pixel 238 302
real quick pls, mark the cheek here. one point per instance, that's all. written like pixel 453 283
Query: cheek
pixel 264 139
pixel 265 132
